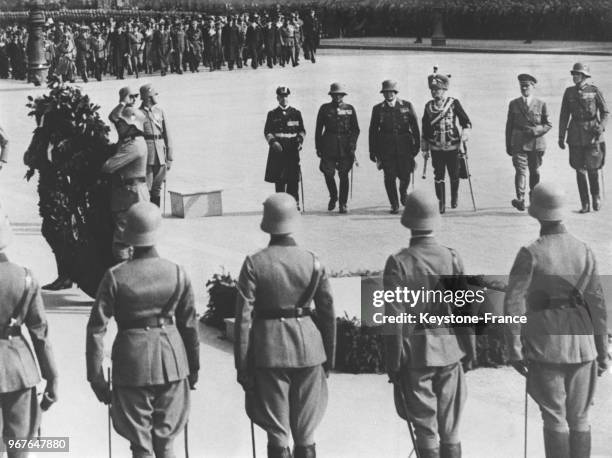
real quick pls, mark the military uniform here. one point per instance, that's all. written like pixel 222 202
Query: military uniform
pixel 336 136
pixel 279 348
pixel 441 136
pixel 554 281
pixel 21 304
pixel 284 126
pixel 583 119
pixel 156 348
pixel 526 125
pixel 128 167
pixel 394 140
pixel 425 362
pixel 159 149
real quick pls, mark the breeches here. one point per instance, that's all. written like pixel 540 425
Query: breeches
pixel 564 393
pixel 19 416
pixel 523 161
pixel 443 161
pixel 156 175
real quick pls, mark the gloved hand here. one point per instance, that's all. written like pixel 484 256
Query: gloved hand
pixel 49 395
pixel 598 129
pixel 465 135
pixel 373 157
pixel 168 165
pixel 602 367
pixel 326 369
pixel 276 146
pixel 520 367
pixel 102 392
pixel 246 380
pixel 467 364
pixel 425 154
pixel 561 143
pixel 192 378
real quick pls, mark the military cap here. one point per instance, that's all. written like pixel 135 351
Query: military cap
pixel 547 202
pixel 581 68
pixel 438 81
pixel 280 214
pixel 527 78
pixel 282 90
pixel 421 211
pixel 147 90
pixel 337 88
pixel 389 85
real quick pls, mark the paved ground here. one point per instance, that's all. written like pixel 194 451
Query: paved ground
pixel 602 48
pixel 217 120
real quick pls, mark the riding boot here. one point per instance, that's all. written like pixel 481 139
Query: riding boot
pixel 333 192
pixel 583 190
pixel 403 188
pixel 594 185
pixel 450 450
pixel 429 452
pixel 454 184
pixel 556 444
pixel 441 195
pixel 276 451
pixel 580 444
pixel 305 451
pixel 392 194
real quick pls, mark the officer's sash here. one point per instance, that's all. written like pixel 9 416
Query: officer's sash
pixel 447 106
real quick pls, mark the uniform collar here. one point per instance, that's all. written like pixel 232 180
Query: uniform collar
pixel 284 108
pixel 152 253
pixel 392 103
pixel 427 239
pixel 552 230
pixel 3 257
pixel 282 240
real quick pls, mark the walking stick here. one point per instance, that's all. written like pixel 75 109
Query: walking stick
pixel 603 184
pixel 187 439
pixel 164 207
pixel 408 422
pixel 302 189
pixel 526 404
pixel 425 167
pixel 253 439
pixel 469 176
pixel 110 449
pixel 352 183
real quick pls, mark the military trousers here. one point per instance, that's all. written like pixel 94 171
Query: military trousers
pixel 288 402
pixel 522 162
pixel 564 393
pixel 156 175
pixel 435 397
pixel 19 416
pixel 150 417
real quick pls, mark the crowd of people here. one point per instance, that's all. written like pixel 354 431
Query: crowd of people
pixel 174 44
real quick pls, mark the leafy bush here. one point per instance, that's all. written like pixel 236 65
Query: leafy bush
pixel 222 299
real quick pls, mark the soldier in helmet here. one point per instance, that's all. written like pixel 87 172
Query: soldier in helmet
pixel 155 358
pixel 21 304
pixel 128 169
pixel 425 364
pixel 583 118
pixel 562 348
pixel 525 128
pixel 441 136
pixel 284 132
pixel 282 355
pixel 336 136
pixel 394 141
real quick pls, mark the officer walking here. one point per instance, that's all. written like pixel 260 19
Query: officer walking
pixel 424 363
pixel 284 132
pixel 563 346
pixel 336 136
pixel 441 136
pixel 394 141
pixel 159 145
pixel 21 304
pixel 525 128
pixel 583 118
pixel 155 358
pixel 282 355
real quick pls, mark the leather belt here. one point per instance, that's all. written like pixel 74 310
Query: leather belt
pixel 146 323
pixel 284 135
pixel 10 332
pixel 153 137
pixel 282 313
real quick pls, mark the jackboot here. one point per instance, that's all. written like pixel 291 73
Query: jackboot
pixel 441 195
pixel 275 451
pixel 556 444
pixel 392 195
pixel 450 450
pixel 63 280
pixel 583 191
pixel 333 192
pixel 429 452
pixel 580 444
pixel 403 187
pixel 305 451
pixel 454 184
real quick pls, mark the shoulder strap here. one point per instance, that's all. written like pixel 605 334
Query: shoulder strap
pixel 26 289
pixel 310 291
pixel 447 106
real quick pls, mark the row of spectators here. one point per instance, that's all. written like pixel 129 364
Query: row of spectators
pixel 168 43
